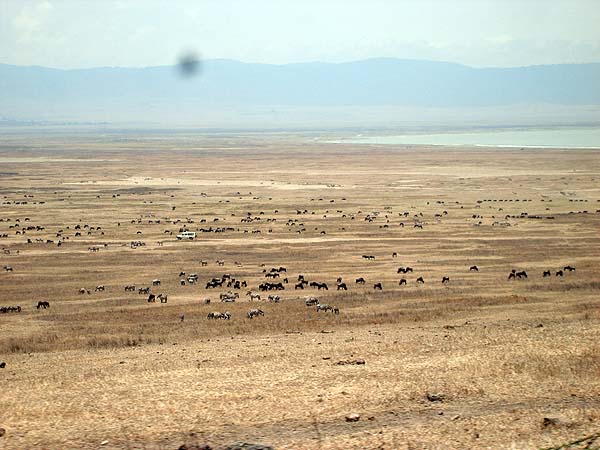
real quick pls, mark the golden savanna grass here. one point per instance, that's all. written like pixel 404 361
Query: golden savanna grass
pixel 109 370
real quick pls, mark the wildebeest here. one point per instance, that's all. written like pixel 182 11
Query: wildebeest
pixel 404 269
pixel 43 304
pixel 99 288
pixel 274 298
pixel 521 274
pixel 342 286
pixel 151 298
pixel 402 281
pixel 8 268
pixel 445 279
pixel 569 269
pixel 378 286
pixel 369 257
pixel 319 285
pixel 145 290
pixel 299 286
pixel 129 287
pixel 394 255
pixel 360 280
pixel 84 291
pixel 255 313
pixel 7 309
pixel 547 273
pixel 162 297
pixel 474 269
pixel 559 273
pixel 420 280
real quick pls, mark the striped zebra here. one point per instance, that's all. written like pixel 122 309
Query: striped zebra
pixel 255 313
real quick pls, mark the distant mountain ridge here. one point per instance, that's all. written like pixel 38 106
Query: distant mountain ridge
pixel 95 94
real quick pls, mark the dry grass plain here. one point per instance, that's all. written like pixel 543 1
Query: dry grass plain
pixel 109 370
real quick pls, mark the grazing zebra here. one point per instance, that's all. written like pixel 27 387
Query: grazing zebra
pixel 218 315
pixel 228 296
pixel 255 313
pixel 84 291
pixel 156 282
pixel 324 308
pixel 378 286
pixel 8 268
pixel 311 301
pixel 162 297
pixel 274 298
pixel 253 295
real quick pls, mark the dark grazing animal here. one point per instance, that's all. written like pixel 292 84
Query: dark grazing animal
pixel 402 281
pixel 360 280
pixel 378 286
pixel 43 304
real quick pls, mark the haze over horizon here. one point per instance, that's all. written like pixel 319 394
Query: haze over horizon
pixel 115 33
pixel 280 63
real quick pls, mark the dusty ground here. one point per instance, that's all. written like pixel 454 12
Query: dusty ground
pixel 109 370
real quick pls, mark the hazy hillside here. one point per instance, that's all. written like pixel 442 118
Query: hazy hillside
pixel 230 89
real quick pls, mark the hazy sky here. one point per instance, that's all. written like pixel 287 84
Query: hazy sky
pixel 87 33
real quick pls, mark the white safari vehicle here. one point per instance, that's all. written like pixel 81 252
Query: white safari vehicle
pixel 186 235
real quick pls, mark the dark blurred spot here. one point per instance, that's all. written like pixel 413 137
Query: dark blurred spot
pixel 189 65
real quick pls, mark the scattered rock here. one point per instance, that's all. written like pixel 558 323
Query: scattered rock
pixel 194 447
pixel 103 442
pixel 436 397
pixel 346 362
pixel 2 432
pixel 551 422
pixel 248 446
pixel 353 417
